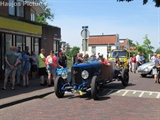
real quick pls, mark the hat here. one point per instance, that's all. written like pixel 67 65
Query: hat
pixel 100 55
pixel 60 53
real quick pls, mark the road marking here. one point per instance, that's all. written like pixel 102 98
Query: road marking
pixel 124 93
pixel 110 92
pixel 158 96
pixel 141 94
pixel 133 93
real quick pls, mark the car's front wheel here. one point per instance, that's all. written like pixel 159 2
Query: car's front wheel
pixel 143 75
pixel 57 86
pixel 94 88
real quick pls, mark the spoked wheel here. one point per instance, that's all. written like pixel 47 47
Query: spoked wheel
pixel 94 88
pixel 57 86
pixel 125 77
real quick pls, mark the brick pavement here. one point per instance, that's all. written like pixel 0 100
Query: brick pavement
pixel 34 90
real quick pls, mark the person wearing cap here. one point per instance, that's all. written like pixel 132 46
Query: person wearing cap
pixel 103 60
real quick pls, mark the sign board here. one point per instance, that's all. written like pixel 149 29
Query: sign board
pixel 85 34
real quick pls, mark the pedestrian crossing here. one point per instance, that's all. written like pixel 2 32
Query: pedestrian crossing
pixel 132 93
pixel 128 93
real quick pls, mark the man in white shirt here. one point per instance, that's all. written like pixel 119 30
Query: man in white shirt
pixel 138 59
pixel 153 58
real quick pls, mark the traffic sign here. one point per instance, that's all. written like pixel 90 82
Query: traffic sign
pixel 85 34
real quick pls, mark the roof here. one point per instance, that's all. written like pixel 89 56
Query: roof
pixel 123 42
pixel 102 39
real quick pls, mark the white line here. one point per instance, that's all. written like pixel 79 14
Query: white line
pixel 150 93
pixel 134 92
pixel 125 93
pixel 118 91
pixel 158 96
pixel 141 94
pixel 110 92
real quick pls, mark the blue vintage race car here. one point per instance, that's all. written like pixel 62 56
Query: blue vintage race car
pixel 88 77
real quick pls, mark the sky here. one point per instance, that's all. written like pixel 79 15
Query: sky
pixel 131 20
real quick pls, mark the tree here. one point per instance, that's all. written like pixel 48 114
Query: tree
pixel 131 43
pixel 157 2
pixel 74 51
pixel 68 49
pixel 146 47
pixel 42 18
pixel 158 51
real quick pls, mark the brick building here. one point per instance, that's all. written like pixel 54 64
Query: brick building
pixel 18 28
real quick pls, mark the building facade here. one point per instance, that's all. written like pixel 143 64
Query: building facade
pixel 18 28
pixel 102 44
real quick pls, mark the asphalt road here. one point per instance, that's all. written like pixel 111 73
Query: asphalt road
pixel 139 101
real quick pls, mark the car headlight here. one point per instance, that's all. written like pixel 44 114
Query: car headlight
pixel 85 74
pixel 64 75
pixel 146 69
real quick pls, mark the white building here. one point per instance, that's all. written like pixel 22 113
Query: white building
pixel 102 44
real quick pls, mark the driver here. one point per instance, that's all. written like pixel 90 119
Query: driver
pixel 103 60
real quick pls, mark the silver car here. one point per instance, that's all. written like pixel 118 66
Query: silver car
pixel 146 69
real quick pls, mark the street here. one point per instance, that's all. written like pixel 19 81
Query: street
pixel 139 101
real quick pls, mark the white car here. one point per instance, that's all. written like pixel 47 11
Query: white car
pixel 146 69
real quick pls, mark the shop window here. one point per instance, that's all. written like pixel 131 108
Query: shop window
pixel 36 46
pixel 28 43
pixel 19 41
pixel 8 41
pixel 32 15
pixel 11 8
pixel 2 51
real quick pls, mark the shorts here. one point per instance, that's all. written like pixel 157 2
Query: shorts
pixel 154 71
pixel 51 69
pixel 25 72
pixel 12 72
pixel 42 71
pixel 34 68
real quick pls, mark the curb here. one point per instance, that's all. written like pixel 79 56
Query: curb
pixel 24 100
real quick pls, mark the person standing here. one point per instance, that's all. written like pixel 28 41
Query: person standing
pixel 19 66
pixel 11 60
pixel 42 66
pixel 25 68
pixel 157 63
pixel 51 62
pixel 34 64
pixel 143 58
pixel 153 58
pixel 134 63
pixel 138 59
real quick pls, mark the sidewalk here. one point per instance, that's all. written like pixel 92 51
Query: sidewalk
pixel 10 97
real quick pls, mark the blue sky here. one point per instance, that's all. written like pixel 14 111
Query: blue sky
pixel 131 20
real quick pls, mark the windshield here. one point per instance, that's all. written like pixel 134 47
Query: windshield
pixel 120 54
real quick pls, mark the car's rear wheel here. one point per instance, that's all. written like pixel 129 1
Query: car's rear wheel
pixel 125 77
pixel 143 75
pixel 94 88
pixel 57 86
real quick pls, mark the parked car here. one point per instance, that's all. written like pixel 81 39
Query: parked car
pixel 88 77
pixel 146 69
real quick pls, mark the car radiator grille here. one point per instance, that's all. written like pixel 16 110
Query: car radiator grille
pixel 76 76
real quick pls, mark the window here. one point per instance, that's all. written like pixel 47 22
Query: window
pixel 11 8
pixel 19 41
pixel 8 41
pixel 16 8
pixel 32 15
pixel 93 49
pixel 36 46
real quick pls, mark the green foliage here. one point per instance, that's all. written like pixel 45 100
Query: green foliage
pixel 74 51
pixel 42 18
pixel 146 47
pixel 157 2
pixel 131 43
pixel 158 51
